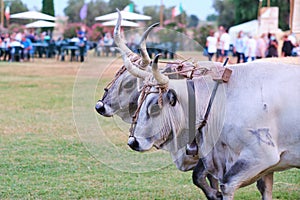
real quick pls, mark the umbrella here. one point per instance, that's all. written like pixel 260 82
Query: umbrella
pixel 40 23
pixel 123 23
pixel 125 15
pixel 33 15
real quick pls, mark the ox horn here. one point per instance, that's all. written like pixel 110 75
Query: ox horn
pixel 135 71
pixel 117 36
pixel 159 77
pixel 145 56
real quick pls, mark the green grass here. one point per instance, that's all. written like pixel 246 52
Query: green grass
pixel 43 157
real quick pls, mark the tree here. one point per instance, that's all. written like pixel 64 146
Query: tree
pixel 152 11
pixel 73 9
pixel 226 12
pixel 17 6
pixel 284 12
pixel 48 8
pixel 211 18
pixel 95 9
pixel 120 4
pixel 193 21
pixel 244 12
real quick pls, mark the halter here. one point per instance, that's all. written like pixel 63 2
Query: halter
pixel 144 93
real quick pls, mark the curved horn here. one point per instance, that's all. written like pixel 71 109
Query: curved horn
pixel 117 36
pixel 159 77
pixel 145 56
pixel 135 71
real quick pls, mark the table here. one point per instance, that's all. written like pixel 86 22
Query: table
pixel 40 47
pixel 72 48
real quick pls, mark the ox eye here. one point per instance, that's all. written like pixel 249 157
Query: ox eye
pixel 128 85
pixel 154 110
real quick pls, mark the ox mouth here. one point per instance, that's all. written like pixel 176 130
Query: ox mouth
pixel 101 108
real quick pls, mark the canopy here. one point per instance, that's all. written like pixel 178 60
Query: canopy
pixel 40 23
pixel 125 15
pixel 250 27
pixel 123 23
pixel 33 15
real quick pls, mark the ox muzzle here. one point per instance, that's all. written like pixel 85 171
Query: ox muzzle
pixel 133 143
pixel 101 108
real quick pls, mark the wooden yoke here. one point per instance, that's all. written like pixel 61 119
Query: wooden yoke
pixel 225 77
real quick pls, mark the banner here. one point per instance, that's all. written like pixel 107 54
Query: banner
pixel 7 13
pixel 295 16
pixel 268 22
pixel 83 11
pixel 129 8
pixel 177 10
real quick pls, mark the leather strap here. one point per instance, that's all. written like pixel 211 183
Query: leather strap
pixel 192 109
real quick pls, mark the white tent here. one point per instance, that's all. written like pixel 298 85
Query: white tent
pixel 32 15
pixel 123 23
pixel 125 15
pixel 250 27
pixel 39 24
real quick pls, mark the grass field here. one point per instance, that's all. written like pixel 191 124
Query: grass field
pixel 54 146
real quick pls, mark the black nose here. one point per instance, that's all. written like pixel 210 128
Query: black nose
pixel 133 143
pixel 100 107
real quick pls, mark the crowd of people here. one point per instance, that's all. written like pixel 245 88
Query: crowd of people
pixel 19 46
pixel 247 48
pixel 22 46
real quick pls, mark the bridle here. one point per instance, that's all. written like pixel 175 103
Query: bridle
pixel 146 90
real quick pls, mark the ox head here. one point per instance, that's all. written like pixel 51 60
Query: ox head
pixel 160 116
pixel 121 94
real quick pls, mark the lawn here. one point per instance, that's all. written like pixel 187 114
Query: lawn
pixel 55 146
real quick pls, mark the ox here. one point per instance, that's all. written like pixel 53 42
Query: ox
pixel 122 93
pixel 124 86
pixel 260 131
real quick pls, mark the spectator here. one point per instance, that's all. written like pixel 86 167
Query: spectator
pixel 239 47
pixel 287 47
pixel 27 48
pixel 218 35
pixel 225 45
pixel 211 44
pixel 293 39
pixel 16 48
pixel 261 47
pixel 250 51
pixel 6 47
pixel 108 42
pixel 272 50
pixel 296 50
pixel 81 34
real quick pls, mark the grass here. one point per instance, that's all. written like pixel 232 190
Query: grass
pixel 54 146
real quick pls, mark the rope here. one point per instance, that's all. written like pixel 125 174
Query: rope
pixel 144 93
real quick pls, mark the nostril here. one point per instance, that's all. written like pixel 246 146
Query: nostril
pixel 133 143
pixel 100 107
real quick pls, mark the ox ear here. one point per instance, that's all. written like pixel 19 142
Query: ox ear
pixel 172 97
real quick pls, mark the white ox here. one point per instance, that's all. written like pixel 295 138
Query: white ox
pixel 260 131
pixel 121 98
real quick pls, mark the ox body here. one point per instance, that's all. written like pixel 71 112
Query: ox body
pixel 259 131
pixel 121 98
